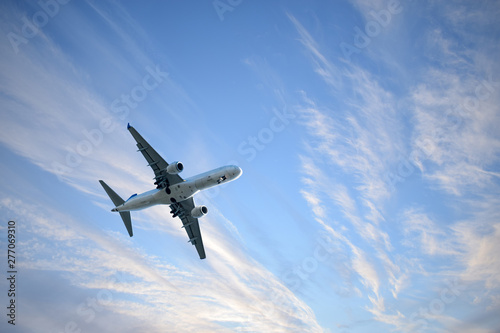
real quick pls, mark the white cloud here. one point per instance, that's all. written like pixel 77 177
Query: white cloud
pixel 465 146
pixel 430 238
pixel 362 137
pixel 324 68
pixel 481 247
pixel 364 264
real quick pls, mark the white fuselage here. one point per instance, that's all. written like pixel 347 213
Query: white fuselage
pixel 181 191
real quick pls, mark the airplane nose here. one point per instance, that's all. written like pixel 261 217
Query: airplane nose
pixel 235 171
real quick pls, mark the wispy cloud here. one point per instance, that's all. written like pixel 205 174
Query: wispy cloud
pixel 230 290
pixel 318 185
pixel 428 235
pixel 464 145
pixel 479 245
pixel 323 67
pixel 364 123
pixel 359 141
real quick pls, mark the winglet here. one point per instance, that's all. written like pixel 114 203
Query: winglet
pixel 128 126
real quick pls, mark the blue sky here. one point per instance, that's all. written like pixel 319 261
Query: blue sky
pixel 368 136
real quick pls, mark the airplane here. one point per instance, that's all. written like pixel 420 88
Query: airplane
pixel 172 190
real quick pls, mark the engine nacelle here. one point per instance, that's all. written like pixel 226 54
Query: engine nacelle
pixel 175 168
pixel 199 211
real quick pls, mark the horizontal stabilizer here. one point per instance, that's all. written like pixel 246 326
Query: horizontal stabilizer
pixel 128 222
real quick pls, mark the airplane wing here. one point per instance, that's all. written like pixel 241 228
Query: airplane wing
pixel 155 161
pixel 183 210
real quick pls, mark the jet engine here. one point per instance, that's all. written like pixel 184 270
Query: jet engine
pixel 175 168
pixel 199 211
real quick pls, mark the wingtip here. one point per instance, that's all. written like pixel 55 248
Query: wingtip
pixel 128 126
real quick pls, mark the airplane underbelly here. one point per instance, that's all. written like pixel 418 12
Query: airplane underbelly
pixel 180 192
pixel 140 202
pixel 206 182
pixel 137 205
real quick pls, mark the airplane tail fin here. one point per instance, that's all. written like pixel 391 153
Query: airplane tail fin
pixel 117 200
